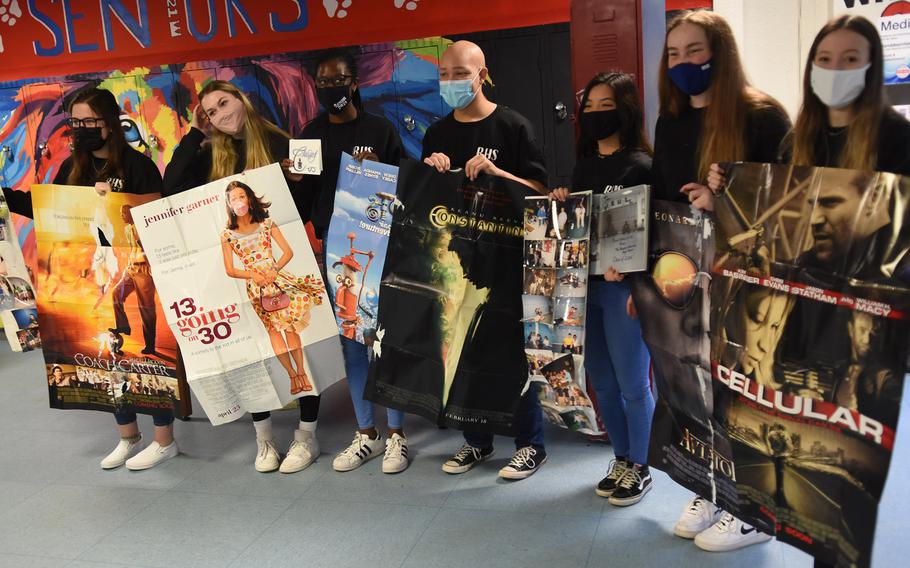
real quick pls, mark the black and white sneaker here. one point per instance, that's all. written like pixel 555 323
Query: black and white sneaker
pixel 466 458
pixel 632 487
pixel 362 449
pixel 524 463
pixel 608 485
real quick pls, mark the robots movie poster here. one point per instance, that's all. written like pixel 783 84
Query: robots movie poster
pixel 808 345
pixel 106 344
pixel 449 342
pixel 356 244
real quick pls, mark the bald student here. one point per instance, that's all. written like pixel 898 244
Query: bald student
pixel 483 137
pixel 479 135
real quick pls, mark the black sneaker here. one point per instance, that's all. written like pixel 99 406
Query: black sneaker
pixel 524 463
pixel 608 485
pixel 466 458
pixel 632 487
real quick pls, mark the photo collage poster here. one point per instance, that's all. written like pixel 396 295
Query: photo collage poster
pixel 556 257
pixel 104 344
pixel 356 244
pixel 243 293
pixel 17 297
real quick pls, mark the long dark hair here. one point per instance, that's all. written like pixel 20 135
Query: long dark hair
pixel 104 104
pixel 730 97
pixel 346 57
pixel 628 104
pixel 860 151
pixel 259 209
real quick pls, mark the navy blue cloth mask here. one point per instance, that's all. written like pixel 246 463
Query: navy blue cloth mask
pixel 692 78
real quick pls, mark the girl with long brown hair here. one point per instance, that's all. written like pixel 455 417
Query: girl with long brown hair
pixel 709 113
pixel 227 136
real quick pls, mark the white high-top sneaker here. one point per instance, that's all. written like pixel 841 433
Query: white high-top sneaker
pixel 303 451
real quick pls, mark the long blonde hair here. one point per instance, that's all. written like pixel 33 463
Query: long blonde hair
pixel 861 148
pixel 730 97
pixel 255 134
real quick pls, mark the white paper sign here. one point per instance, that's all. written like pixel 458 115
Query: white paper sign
pixel 306 157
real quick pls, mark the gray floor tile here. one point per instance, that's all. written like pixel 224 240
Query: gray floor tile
pixel 494 539
pixel 65 520
pixel 22 561
pixel 230 477
pixel 328 534
pixel 191 529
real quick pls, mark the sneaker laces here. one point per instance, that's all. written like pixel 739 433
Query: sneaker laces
pixel 726 523
pixel 696 506
pixel 617 470
pixel 263 448
pixel 522 457
pixel 630 478
pixel 393 449
pixel 351 451
pixel 460 455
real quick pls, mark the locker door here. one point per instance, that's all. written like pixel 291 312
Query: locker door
pixel 418 104
pixel 16 143
pixel 50 145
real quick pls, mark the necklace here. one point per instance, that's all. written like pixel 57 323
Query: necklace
pixel 95 168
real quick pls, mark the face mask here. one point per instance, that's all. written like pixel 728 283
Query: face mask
pixel 240 209
pixel 600 124
pixel 87 139
pixel 691 78
pixel 838 88
pixel 458 94
pixel 334 99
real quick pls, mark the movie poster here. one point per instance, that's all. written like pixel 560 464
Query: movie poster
pixel 556 252
pixel 243 294
pixel 103 346
pixel 356 243
pixel 17 297
pixel 808 343
pixel 449 343
pixel 619 230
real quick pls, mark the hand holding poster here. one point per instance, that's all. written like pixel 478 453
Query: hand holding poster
pixel 243 293
pixel 103 346
pixel 17 297
pixel 356 243
pixel 556 250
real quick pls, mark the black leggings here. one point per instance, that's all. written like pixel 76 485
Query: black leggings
pixel 309 409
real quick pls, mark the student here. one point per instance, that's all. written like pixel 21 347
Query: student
pixel 226 137
pixel 103 159
pixel 483 137
pixel 709 113
pixel 613 153
pixel 345 127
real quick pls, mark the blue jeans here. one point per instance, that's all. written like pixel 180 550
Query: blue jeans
pixel 528 420
pixel 357 363
pixel 128 417
pixel 617 363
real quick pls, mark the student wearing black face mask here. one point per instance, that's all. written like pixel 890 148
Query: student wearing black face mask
pixel 345 127
pixel 103 159
pixel 101 156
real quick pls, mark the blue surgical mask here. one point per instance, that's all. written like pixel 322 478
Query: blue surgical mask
pixel 458 94
pixel 692 78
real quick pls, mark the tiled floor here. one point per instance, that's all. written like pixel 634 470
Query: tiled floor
pixel 209 507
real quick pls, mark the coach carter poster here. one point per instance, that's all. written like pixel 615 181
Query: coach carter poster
pixel 449 343
pixel 104 347
pixel 242 293
pixel 556 255
pixel 356 243
pixel 808 343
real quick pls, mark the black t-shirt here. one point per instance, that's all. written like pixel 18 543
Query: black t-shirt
pixel 606 174
pixel 676 144
pixel 366 133
pixel 140 175
pixel 505 137
pixel 893 145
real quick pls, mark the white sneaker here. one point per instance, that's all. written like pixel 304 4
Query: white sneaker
pixel 266 456
pixel 361 450
pixel 303 451
pixel 124 450
pixel 152 456
pixel 729 533
pixel 395 459
pixel 699 515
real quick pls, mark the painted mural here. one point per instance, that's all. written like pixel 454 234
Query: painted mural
pixel 397 80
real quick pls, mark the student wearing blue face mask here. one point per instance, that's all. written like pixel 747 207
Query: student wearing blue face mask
pixel 709 113
pixel 483 137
